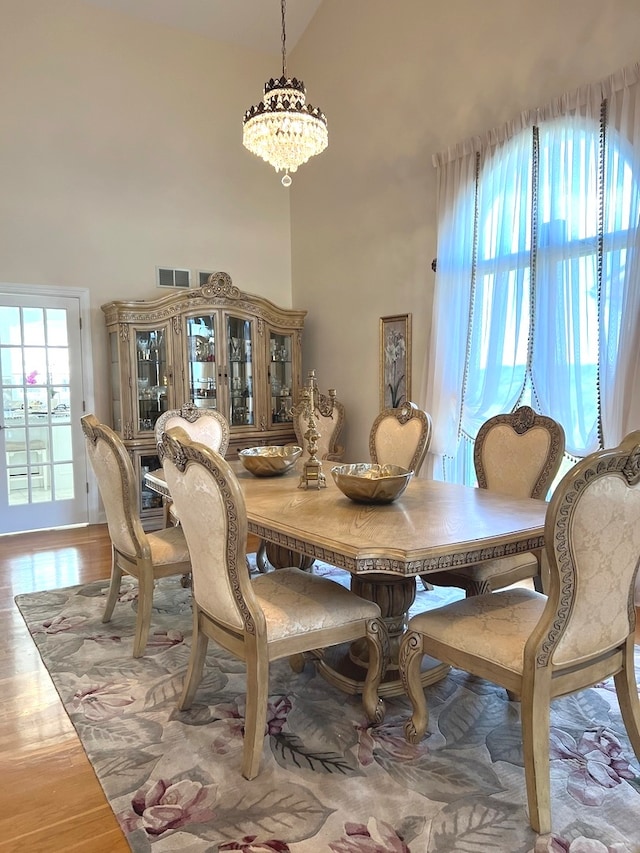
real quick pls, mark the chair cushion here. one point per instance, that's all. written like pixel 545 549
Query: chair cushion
pixel 520 565
pixel 168 546
pixel 294 601
pixel 495 626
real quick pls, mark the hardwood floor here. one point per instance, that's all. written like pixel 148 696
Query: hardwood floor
pixel 50 798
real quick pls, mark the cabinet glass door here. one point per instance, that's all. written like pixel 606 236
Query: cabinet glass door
pixel 151 377
pixel 240 371
pixel 281 377
pixel 150 501
pixel 201 358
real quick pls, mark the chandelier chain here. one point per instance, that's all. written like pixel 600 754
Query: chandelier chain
pixel 283 6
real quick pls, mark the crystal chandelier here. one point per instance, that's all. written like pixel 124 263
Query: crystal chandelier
pixel 283 129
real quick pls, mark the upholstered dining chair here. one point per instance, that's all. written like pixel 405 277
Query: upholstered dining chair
pixel 329 427
pixel 516 454
pixel 205 425
pixel 540 647
pixel 401 437
pixel 145 556
pixel 280 614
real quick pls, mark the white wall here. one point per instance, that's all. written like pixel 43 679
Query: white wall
pixel 399 82
pixel 121 150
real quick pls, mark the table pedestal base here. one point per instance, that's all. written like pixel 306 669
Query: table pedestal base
pixel 276 556
pixel 338 669
pixel 344 666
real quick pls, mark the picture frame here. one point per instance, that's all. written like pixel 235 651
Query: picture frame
pixel 395 360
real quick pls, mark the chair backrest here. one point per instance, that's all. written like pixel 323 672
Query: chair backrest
pixel 519 453
pixel 329 428
pixel 213 516
pixel 592 536
pixel 119 490
pixel 207 426
pixel 401 437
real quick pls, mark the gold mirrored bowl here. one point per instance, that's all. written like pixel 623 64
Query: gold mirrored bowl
pixel 371 484
pixel 269 461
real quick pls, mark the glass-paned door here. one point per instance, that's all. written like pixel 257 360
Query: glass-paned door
pixel 240 371
pixel 281 377
pixel 201 358
pixel 43 478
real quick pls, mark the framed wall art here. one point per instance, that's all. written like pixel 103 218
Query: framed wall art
pixel 395 360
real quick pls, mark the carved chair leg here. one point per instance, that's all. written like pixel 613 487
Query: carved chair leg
pixel 378 643
pixel 145 605
pixel 535 740
pixel 411 654
pixel 297 661
pixel 261 557
pixel 199 643
pixel 627 690
pixel 114 588
pixel 255 717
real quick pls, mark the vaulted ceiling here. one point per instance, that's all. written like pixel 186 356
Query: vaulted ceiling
pixel 254 24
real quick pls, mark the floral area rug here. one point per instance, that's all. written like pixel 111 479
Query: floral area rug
pixel 329 783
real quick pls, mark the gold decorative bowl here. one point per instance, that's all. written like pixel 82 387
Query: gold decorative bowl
pixel 269 461
pixel 371 484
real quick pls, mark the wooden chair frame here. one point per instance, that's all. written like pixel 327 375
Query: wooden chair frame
pixel 190 414
pixel 545 648
pixel 522 421
pixel 407 413
pixel 476 580
pixel 145 557
pixel 255 620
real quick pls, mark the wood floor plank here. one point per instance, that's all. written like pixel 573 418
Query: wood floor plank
pixel 67 768
pixel 91 832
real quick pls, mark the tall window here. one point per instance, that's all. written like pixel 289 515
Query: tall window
pixel 538 283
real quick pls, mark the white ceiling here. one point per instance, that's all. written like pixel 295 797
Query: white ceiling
pixel 255 24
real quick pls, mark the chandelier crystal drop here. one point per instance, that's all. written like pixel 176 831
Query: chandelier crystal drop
pixel 283 129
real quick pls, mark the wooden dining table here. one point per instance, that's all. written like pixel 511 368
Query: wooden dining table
pixel 431 527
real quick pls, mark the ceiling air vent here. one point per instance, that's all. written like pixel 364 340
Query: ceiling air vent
pixel 167 277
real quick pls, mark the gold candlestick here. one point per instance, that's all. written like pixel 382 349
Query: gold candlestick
pixel 312 474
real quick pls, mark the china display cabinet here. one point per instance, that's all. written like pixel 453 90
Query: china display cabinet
pixel 214 347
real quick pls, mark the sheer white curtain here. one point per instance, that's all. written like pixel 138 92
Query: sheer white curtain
pixel 620 377
pixel 537 287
